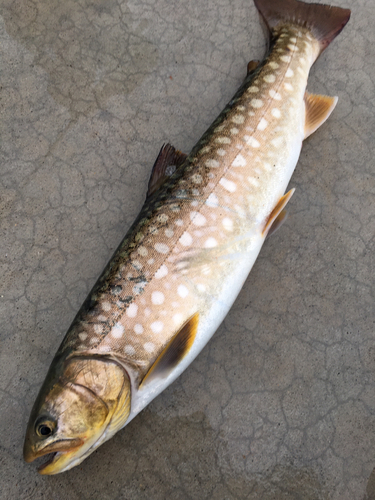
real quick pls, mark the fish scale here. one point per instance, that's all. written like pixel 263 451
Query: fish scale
pixel 183 262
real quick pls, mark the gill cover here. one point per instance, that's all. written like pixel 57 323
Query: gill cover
pixel 76 411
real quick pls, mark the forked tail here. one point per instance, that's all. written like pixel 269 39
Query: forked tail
pixel 323 21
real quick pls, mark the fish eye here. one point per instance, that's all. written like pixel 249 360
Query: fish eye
pixel 45 428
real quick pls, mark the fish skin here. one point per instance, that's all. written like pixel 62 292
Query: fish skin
pixel 194 242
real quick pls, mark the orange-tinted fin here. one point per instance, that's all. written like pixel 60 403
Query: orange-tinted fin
pixel 168 160
pixel 174 352
pixel 277 223
pixel 318 109
pixel 276 211
pixel 252 66
pixel 323 21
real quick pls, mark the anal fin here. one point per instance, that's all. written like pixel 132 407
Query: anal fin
pixel 277 223
pixel 280 205
pixel 168 160
pixel 318 109
pixel 174 351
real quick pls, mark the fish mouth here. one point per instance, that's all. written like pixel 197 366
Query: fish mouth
pixel 58 455
pixel 49 461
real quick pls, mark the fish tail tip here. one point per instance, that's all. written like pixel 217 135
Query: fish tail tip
pixel 323 21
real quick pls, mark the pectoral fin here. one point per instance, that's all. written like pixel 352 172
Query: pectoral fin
pixel 168 160
pixel 174 352
pixel 318 109
pixel 277 211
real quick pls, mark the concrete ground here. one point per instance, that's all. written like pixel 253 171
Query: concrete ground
pixel 281 403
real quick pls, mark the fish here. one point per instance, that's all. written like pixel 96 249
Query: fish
pixel 183 262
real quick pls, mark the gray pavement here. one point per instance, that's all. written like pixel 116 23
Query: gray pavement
pixel 281 403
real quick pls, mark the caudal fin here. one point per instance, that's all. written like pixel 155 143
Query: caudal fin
pixel 323 21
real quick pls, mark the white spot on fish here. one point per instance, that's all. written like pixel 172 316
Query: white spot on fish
pixel 196 178
pixel 201 287
pixel 149 346
pixel 293 48
pixel 157 298
pixel 132 310
pixel 253 89
pixel 101 317
pixel 254 182
pixel 285 58
pixel 212 201
pixel 288 86
pixel 186 239
pixel 262 125
pixel 163 218
pixel 238 119
pixel 256 103
pixel 234 131
pixel 293 39
pixel 106 306
pixel 289 73
pixel 143 251
pixel 82 336
pixel 182 291
pixel 117 331
pixel 221 152
pixel 197 219
pixel 179 222
pixel 269 78
pixel 157 326
pixel 275 95
pixel 251 141
pixel 98 328
pixel 228 224
pixel 129 349
pixel 276 113
pixel 210 243
pixel 212 163
pixel 177 319
pixel 150 261
pixel 228 185
pixel 223 140
pixel 147 312
pixel 169 232
pixel 241 108
pixel 161 247
pixel 161 272
pixel 239 161
pixel 273 65
pixel 138 328
pixel 302 60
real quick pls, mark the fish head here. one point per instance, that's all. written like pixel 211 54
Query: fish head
pixel 82 403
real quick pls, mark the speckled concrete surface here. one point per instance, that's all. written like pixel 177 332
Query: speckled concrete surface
pixel 281 403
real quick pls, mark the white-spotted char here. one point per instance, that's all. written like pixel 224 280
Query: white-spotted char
pixel 184 260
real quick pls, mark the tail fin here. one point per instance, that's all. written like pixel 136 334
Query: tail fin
pixel 323 21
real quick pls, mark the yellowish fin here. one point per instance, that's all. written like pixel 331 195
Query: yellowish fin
pixel 318 109
pixel 277 210
pixel 175 351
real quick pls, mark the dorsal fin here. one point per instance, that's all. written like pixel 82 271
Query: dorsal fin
pixel 318 109
pixel 280 205
pixel 174 351
pixel 168 160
